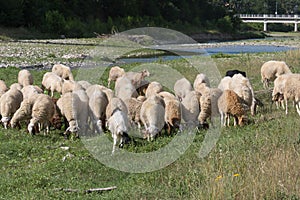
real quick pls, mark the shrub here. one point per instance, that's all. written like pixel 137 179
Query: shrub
pixel 55 22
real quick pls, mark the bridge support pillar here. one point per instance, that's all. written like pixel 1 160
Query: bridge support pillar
pixel 296 27
pixel 265 26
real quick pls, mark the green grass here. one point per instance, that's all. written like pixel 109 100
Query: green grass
pixel 257 161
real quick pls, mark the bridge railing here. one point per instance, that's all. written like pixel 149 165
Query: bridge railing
pixel 254 16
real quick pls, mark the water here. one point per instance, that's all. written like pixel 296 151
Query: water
pixel 188 51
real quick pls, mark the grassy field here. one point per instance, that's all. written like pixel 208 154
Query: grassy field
pixel 258 161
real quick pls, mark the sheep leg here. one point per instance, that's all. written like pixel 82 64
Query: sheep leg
pixel 286 106
pixel 235 119
pixel 115 139
pixel 222 119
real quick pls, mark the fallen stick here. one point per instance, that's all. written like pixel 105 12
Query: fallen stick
pixel 86 191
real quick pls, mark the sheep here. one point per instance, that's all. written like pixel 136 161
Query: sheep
pixel 231 73
pixel 153 88
pixel 52 82
pixel 63 71
pixel 152 116
pixel 97 107
pixel 242 86
pixel 191 108
pixel 209 105
pixel 3 87
pixel 118 125
pixel 114 103
pixel 125 89
pixel 201 81
pixel 134 108
pixel 16 86
pixel 172 111
pixel 137 78
pixel 109 93
pixel 70 86
pixel 229 103
pixel 74 107
pixel 25 78
pixel 182 87
pixel 114 73
pixel 30 90
pixel 9 104
pixel 42 112
pixel 84 84
pixel 272 69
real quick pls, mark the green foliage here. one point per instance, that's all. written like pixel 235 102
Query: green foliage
pixel 54 22
pixel 225 24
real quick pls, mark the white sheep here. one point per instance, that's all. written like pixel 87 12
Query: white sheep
pixel 229 103
pixel 137 78
pixel 42 112
pixel 70 86
pixel 272 69
pixel 16 86
pixel 114 103
pixel 97 107
pixel 3 87
pixel 9 104
pixel 52 82
pixel 125 89
pixel 118 125
pixel 114 73
pixel 74 106
pixel 152 116
pixel 182 87
pixel 30 90
pixel 153 89
pixel 109 93
pixel 201 81
pixel 63 71
pixel 23 113
pixel 84 84
pixel 191 108
pixel 25 78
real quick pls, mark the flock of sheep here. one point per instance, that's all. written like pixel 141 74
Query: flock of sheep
pixel 136 102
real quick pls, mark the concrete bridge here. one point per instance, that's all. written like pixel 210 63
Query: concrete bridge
pixel 265 18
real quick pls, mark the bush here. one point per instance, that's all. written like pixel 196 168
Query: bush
pixel 55 22
pixel 75 28
pixel 225 24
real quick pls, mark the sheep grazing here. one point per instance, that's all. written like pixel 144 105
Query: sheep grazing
pixel 118 125
pixel 25 78
pixel 97 107
pixel 109 93
pixel 9 104
pixel 153 89
pixel 63 71
pixel 52 82
pixel 125 89
pixel 191 108
pixel 272 69
pixel 84 84
pixel 74 107
pixel 172 112
pixel 152 116
pixel 30 90
pixel 182 87
pixel 70 86
pixel 114 103
pixel 229 103
pixel 134 109
pixel 114 74
pixel 42 113
pixel 16 86
pixel 3 87
pixel 201 82
pixel 231 73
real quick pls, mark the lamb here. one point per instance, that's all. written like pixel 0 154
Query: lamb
pixel 30 90
pixel 229 103
pixel 63 71
pixel 153 88
pixel 52 82
pixel 152 116
pixel 9 104
pixel 25 78
pixel 74 107
pixel 42 112
pixel 272 69
pixel 182 87
pixel 191 108
pixel 201 82
pixel 118 125
pixel 3 87
pixel 114 73
pixel 97 107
